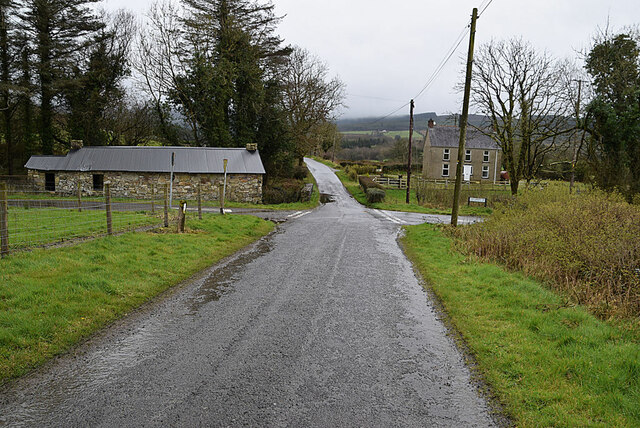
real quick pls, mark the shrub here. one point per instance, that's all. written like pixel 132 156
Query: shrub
pixel 365 169
pixel 351 173
pixel 368 183
pixel 586 245
pixel 282 191
pixel 300 172
pixel 375 195
pixel 359 168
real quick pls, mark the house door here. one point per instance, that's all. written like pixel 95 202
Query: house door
pixel 466 172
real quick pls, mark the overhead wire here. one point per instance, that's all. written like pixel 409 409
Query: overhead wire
pixel 485 8
pixel 449 53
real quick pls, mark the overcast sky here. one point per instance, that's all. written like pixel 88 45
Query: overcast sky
pixel 385 51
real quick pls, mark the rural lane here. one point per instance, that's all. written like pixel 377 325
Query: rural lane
pixel 323 323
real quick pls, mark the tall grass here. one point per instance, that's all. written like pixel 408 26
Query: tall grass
pixel 549 363
pixel 441 195
pixel 586 245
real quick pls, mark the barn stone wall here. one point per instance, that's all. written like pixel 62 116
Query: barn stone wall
pixel 240 187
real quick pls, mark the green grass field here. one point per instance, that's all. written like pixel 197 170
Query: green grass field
pixel 51 299
pixel 549 363
pixel 391 134
pixel 395 201
pixel 40 226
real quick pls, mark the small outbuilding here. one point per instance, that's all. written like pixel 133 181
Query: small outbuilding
pixel 140 172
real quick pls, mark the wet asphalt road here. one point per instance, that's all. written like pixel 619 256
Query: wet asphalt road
pixel 323 323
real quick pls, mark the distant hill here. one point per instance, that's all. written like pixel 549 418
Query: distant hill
pixel 400 123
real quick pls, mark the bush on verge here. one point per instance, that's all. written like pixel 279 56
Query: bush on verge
pixel 375 195
pixel 587 245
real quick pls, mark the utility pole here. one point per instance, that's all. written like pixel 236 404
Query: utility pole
pixel 409 159
pixel 173 162
pixel 577 151
pixel 333 155
pixel 463 120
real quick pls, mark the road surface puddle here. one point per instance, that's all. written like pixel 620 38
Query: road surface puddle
pixel 326 198
pixel 219 282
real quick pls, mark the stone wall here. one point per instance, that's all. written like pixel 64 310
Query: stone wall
pixel 240 187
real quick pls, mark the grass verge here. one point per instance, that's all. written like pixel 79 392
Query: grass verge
pixel 395 200
pixel 51 299
pixel 549 363
pixel 39 226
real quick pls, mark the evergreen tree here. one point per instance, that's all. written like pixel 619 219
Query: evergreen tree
pixel 7 62
pixel 95 83
pixel 614 65
pixel 62 30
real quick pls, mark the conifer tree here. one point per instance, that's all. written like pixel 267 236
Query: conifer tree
pixel 61 31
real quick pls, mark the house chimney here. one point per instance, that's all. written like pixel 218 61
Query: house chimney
pixel 432 123
pixel 76 144
pixel 252 147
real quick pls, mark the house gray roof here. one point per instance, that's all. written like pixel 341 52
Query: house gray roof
pixel 449 136
pixel 195 160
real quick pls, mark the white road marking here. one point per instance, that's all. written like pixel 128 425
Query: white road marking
pixel 302 214
pixel 389 217
pixel 295 213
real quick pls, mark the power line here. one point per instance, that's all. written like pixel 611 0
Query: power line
pixel 375 98
pixel 485 8
pixel 449 53
pixel 444 62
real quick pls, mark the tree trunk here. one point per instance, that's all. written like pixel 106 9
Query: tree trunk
pixel 514 185
pixel 5 81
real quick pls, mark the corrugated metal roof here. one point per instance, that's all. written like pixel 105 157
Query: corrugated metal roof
pixel 449 136
pixel 195 160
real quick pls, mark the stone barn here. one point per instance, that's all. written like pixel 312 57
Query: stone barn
pixel 139 172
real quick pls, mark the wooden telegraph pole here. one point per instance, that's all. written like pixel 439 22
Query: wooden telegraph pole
pixel 463 121
pixel 409 158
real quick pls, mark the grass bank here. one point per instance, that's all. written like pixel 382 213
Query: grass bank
pixel 40 226
pixel 51 299
pixel 395 200
pixel 550 363
pixel 587 245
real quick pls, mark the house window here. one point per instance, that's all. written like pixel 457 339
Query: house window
pixel 445 169
pixel 467 156
pixel 485 171
pixel 486 156
pixel 98 182
pixel 50 182
pixel 446 154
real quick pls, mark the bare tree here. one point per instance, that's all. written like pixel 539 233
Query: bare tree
pixel 521 93
pixel 161 59
pixel 310 98
pixel 577 87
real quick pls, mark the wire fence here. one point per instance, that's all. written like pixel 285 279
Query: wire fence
pixel 31 217
pixel 439 193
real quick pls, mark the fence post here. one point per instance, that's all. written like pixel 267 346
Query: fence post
pixel 221 193
pixel 199 203
pixel 79 196
pixel 153 199
pixel 4 220
pixel 107 195
pixel 181 216
pixel 166 205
